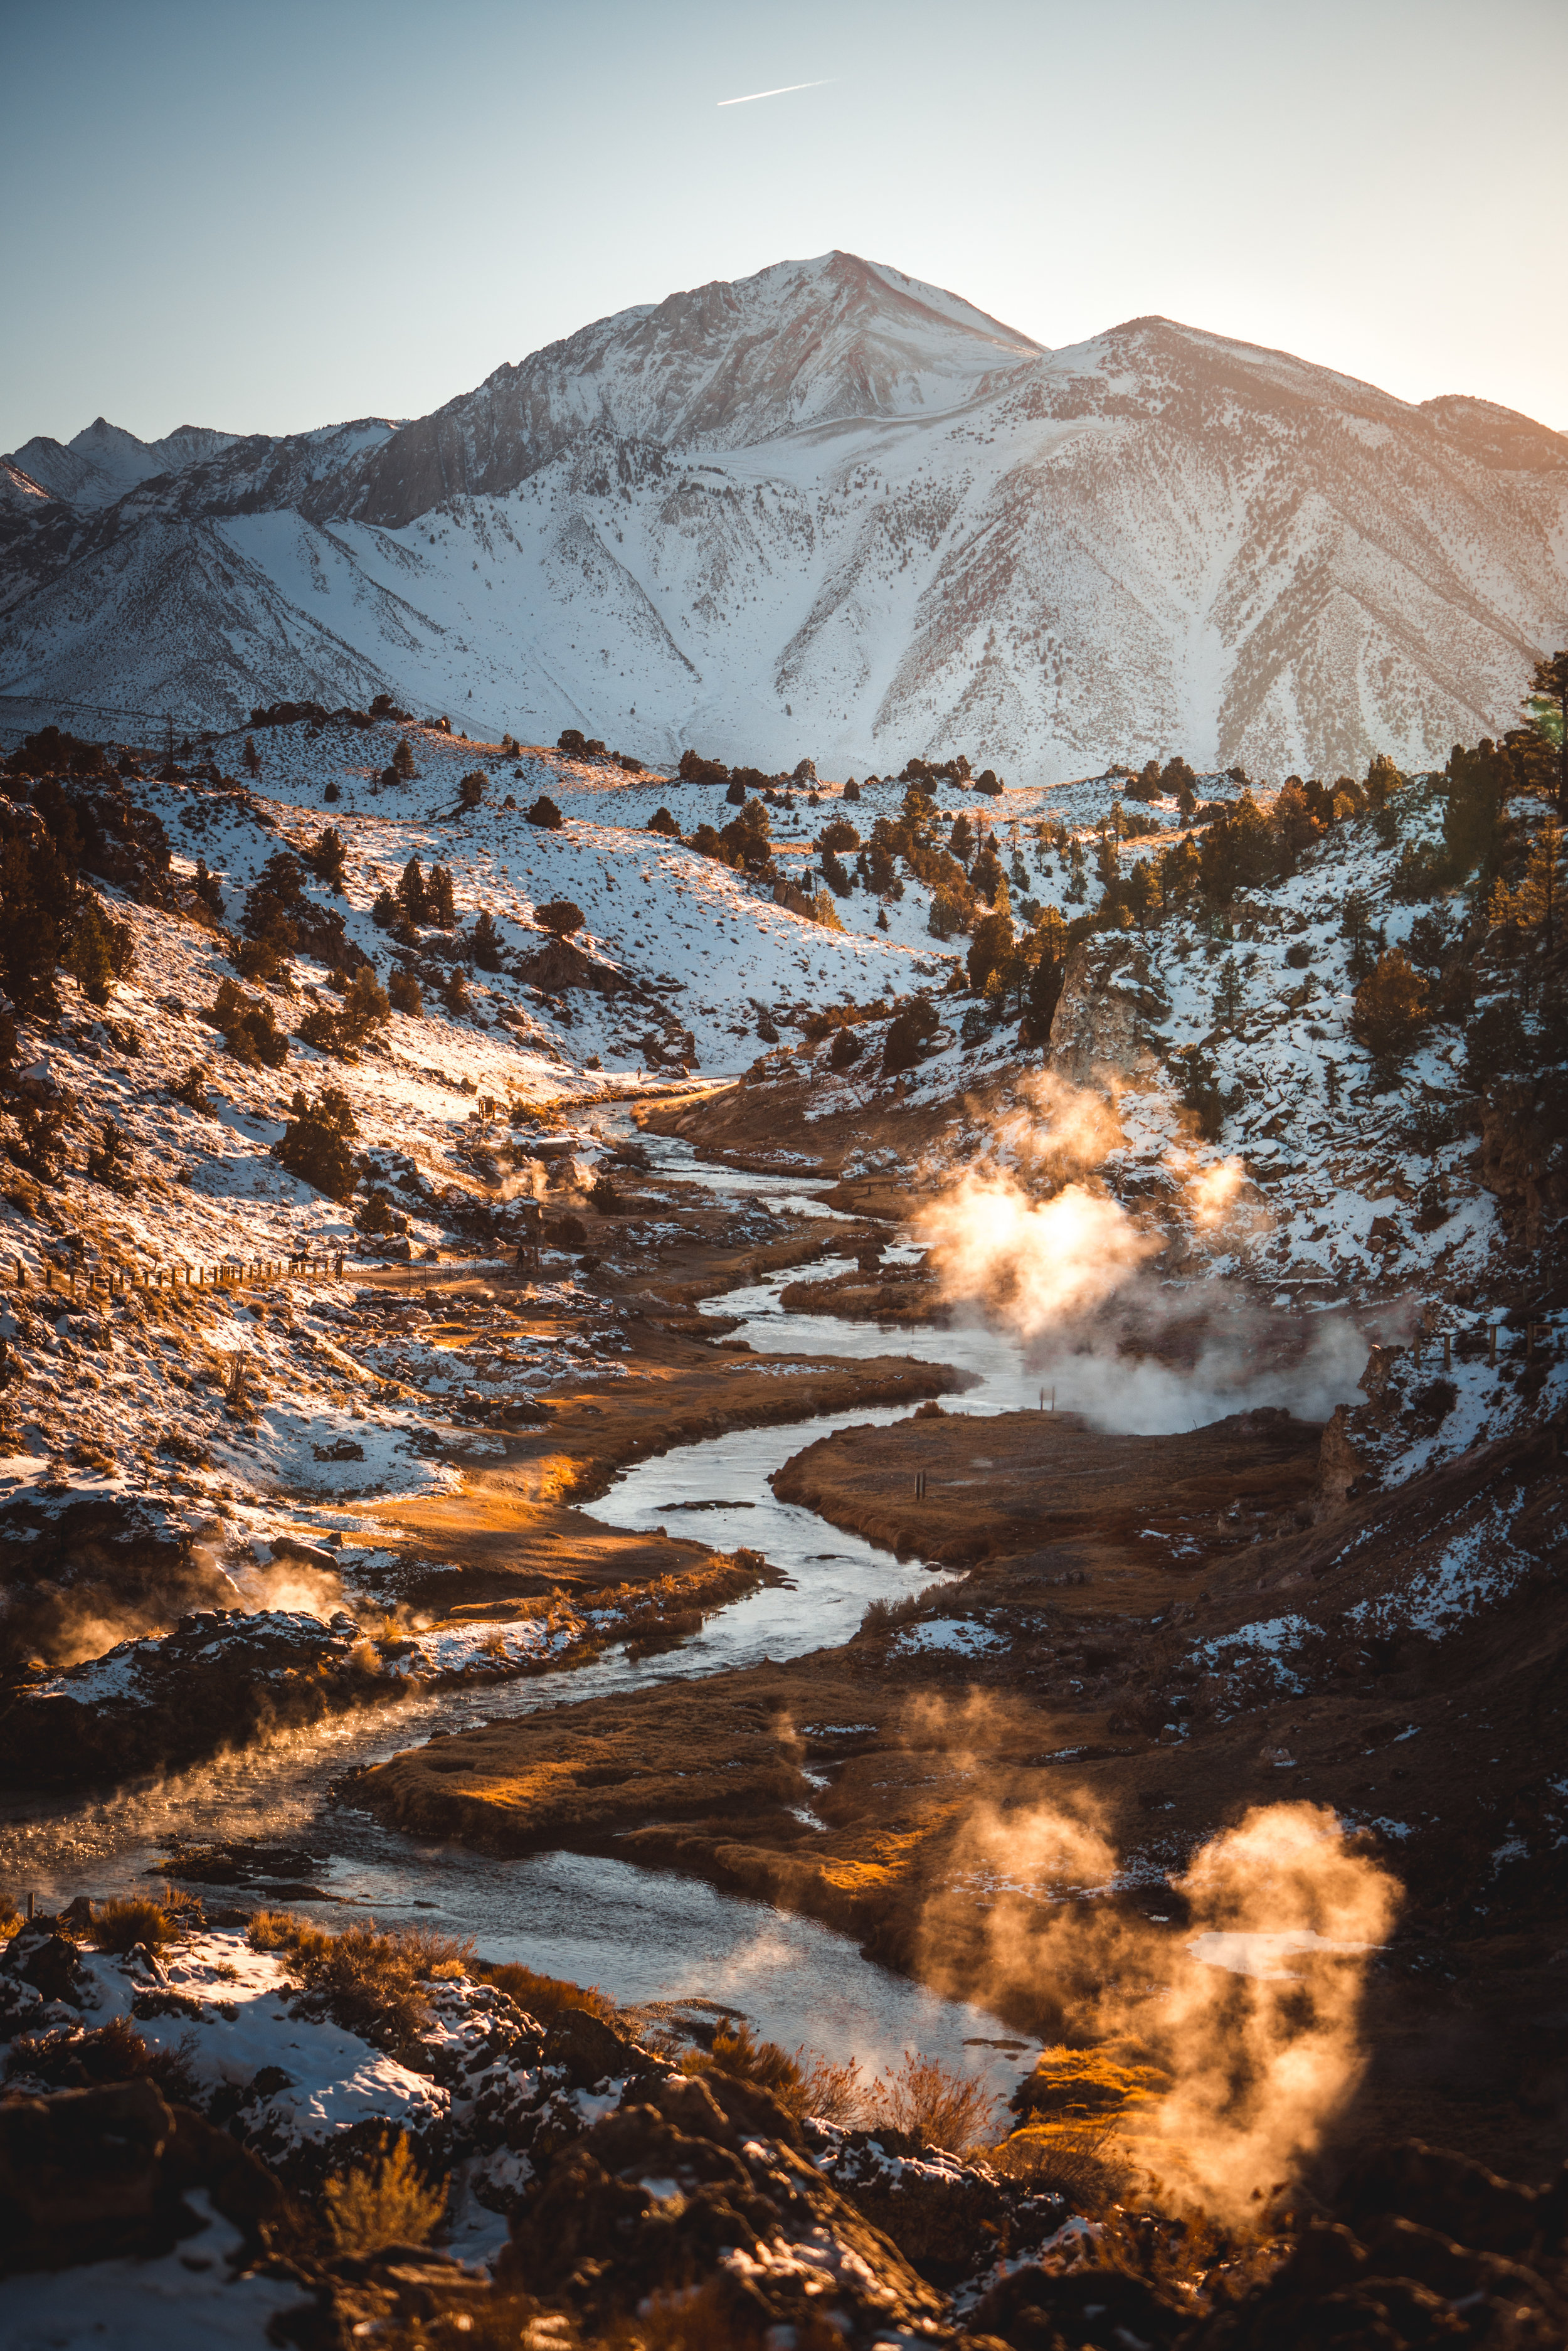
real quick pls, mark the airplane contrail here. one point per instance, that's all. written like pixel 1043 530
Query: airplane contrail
pixel 783 91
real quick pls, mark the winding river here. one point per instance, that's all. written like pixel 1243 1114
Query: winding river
pixel 640 1935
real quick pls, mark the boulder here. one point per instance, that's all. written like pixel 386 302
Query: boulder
pixel 587 2049
pixel 943 2215
pixel 87 2174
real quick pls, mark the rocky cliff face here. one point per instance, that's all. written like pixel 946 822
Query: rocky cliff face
pixel 1109 997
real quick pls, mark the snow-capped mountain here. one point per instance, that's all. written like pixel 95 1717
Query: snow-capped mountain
pixel 103 461
pixel 831 510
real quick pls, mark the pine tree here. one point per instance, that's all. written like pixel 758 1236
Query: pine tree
pixel 366 1007
pixel 325 857
pixel 251 758
pixel 440 906
pixel 1535 904
pixel 1383 780
pixel 1389 1009
pixel 991 944
pixel 1228 995
pixel 1548 708
pixel 402 761
pixel 487 943
pixel 99 951
pixel 314 1142
pixel 411 893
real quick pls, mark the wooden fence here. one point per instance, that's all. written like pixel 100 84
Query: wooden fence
pixel 233 1273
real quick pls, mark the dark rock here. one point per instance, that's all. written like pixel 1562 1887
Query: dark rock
pixel 1443 2191
pixel 587 2049
pixel 48 1960
pixel 1039 2309
pixel 90 2174
pixel 942 2214
pixel 213 1683
pixel 640 2206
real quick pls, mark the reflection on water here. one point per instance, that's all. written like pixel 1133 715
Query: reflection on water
pixel 638 1934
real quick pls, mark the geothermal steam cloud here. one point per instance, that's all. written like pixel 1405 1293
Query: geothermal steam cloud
pixel 1252 2009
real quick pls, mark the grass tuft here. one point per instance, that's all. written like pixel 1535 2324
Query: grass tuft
pixel 545 1997
pixel 133 1919
pixel 369 1982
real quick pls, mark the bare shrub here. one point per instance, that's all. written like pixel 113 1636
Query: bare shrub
pixel 110 2053
pixel 932 2102
pixel 736 2050
pixel 389 2204
pixel 835 2090
pixel 887 1615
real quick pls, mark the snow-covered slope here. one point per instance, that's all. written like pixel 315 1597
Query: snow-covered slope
pixel 828 510
pixel 104 461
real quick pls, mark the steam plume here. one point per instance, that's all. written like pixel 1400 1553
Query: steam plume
pixel 1032 1240
pixel 1252 2009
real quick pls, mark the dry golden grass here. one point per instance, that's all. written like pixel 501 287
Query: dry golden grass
pixel 737 2051
pixel 371 1983
pixel 133 1919
pixel 1081 2105
pixel 544 1997
pixel 389 2203
pixel 1079 2160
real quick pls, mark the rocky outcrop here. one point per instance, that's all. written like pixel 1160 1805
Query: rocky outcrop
pixel 1100 1029
pixel 217 1681
pixel 943 2215
pixel 706 2182
pixel 561 963
pixel 97 1564
pixel 1520 1164
pixel 1425 2246
pixel 89 2174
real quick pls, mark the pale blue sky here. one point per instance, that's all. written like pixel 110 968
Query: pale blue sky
pixel 270 215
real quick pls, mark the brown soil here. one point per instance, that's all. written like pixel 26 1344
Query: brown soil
pixel 893 1295
pixel 1142 1507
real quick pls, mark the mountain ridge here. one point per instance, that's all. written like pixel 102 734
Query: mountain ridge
pixel 829 508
